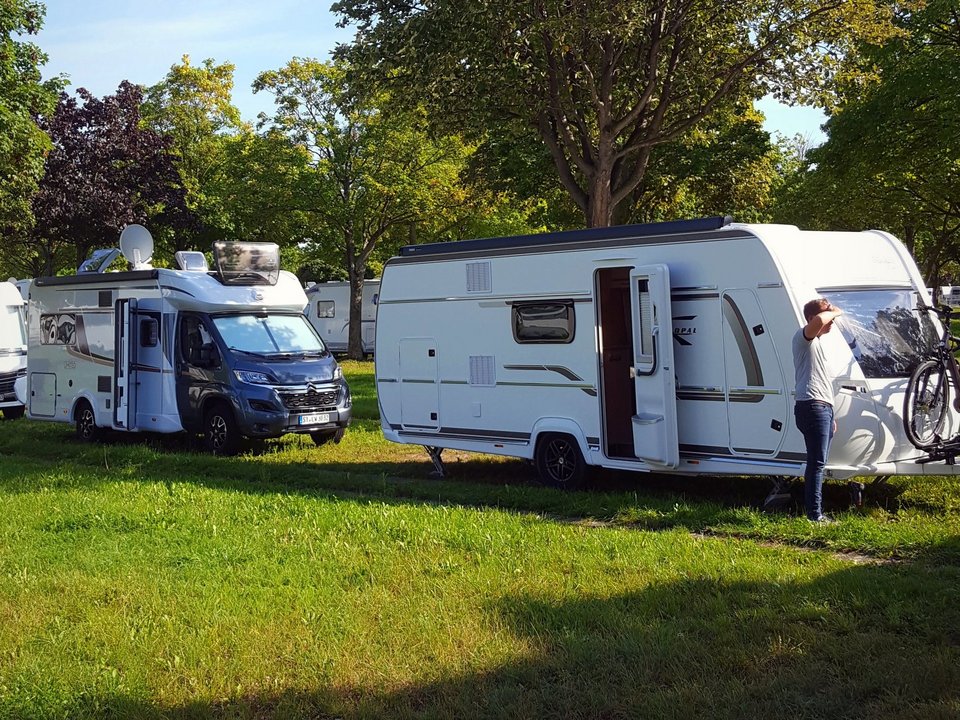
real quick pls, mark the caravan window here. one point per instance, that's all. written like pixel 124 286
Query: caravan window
pixel 543 322
pixel 326 308
pixel 888 335
pixel 58 329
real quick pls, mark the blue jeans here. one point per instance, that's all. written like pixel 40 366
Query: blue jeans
pixel 815 421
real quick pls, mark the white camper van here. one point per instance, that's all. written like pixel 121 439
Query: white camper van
pixel 226 353
pixel 661 347
pixel 328 309
pixel 13 349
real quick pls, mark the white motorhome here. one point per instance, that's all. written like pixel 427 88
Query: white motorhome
pixel 13 349
pixel 663 347
pixel 328 309
pixel 226 353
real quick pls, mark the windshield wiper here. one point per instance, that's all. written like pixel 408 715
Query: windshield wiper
pixel 263 356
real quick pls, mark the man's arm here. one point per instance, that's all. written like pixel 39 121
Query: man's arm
pixel 820 322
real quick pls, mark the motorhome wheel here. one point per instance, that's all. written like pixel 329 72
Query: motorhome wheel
pixel 220 432
pixel 322 437
pixel 559 461
pixel 87 430
pixel 13 413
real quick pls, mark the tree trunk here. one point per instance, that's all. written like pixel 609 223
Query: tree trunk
pixel 354 335
pixel 600 207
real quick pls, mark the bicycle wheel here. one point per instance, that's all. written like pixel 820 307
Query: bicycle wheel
pixel 926 402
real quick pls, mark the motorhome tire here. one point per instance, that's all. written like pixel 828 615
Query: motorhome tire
pixel 87 430
pixel 322 437
pixel 926 403
pixel 560 463
pixel 13 413
pixel 221 435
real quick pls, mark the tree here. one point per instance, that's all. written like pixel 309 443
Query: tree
pixel 104 172
pixel 22 97
pixel 892 158
pixel 370 173
pixel 604 82
pixel 192 106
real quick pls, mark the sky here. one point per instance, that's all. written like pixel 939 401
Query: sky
pixel 98 43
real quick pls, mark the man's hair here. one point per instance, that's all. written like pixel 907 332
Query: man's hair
pixel 815 307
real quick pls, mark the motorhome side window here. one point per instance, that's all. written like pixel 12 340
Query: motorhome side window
pixel 543 322
pixel 58 329
pixel 326 308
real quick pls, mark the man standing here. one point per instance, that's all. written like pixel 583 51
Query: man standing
pixel 814 407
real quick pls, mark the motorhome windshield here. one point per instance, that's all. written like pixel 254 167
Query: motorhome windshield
pixel 13 334
pixel 269 334
pixel 883 327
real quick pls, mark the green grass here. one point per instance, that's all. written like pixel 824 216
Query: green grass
pixel 143 578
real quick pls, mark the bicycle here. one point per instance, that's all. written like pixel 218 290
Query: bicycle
pixel 926 403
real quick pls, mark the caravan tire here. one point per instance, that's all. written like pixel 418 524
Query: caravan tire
pixel 560 463
pixel 221 435
pixel 87 430
pixel 13 413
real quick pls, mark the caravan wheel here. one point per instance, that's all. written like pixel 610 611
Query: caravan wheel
pixel 13 413
pixel 87 430
pixel 221 436
pixel 559 461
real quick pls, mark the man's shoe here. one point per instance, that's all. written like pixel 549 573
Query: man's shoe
pixel 823 520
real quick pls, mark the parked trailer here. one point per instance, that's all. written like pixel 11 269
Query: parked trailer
pixel 225 353
pixel 663 347
pixel 13 349
pixel 328 309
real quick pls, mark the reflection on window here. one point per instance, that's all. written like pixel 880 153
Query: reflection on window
pixel 58 329
pixel 886 333
pixel 325 308
pixel 270 334
pixel 543 322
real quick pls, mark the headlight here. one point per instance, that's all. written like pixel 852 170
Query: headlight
pixel 256 378
pixel 337 373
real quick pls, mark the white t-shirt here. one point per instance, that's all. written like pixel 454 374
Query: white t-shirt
pixel 810 362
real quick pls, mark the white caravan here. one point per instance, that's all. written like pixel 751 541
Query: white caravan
pixel 13 349
pixel 225 353
pixel 663 347
pixel 328 309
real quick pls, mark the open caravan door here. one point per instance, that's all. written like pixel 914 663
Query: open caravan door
pixel 655 423
pixel 124 369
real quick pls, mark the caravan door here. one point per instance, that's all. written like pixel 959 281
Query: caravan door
pixel 655 422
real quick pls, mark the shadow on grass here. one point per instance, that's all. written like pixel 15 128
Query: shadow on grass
pixel 861 642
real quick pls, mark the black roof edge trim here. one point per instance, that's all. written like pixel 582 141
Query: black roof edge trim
pixel 112 278
pixel 569 236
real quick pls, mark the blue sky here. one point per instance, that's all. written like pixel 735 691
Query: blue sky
pixel 98 43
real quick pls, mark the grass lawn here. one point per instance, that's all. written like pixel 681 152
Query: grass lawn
pixel 143 578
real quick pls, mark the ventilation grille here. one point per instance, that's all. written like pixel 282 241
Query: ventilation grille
pixel 479 278
pixel 482 370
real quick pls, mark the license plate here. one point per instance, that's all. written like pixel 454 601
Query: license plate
pixel 315 419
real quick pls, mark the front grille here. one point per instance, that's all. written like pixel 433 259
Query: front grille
pixel 6 382
pixel 311 399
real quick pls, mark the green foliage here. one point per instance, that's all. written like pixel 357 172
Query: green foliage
pixel 603 83
pixel 892 159
pixel 192 106
pixel 22 97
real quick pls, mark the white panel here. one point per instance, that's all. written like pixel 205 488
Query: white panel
pixel 483 370
pixel 479 277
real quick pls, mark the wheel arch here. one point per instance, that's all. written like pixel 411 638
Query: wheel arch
pixel 86 396
pixel 563 426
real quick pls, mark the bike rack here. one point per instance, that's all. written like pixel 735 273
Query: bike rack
pixel 945 451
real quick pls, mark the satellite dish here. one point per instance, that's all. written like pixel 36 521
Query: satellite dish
pixel 136 244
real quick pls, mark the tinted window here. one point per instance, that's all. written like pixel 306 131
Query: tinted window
pixel 543 322
pixel 888 336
